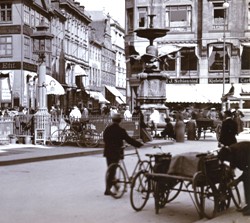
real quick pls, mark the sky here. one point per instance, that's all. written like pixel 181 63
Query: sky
pixel 115 8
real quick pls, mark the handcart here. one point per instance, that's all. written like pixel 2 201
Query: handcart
pixel 203 176
pixel 206 124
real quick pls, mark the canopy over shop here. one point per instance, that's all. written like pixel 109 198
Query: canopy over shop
pixel 203 94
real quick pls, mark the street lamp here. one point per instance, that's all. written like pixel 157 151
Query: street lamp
pixel 42 39
pixel 225 7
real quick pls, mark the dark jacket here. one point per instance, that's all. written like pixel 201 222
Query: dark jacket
pixel 113 137
pixel 228 132
pixel 240 155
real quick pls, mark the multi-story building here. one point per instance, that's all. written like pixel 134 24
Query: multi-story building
pixel 18 20
pixel 74 51
pixel 110 58
pixel 206 48
pixel 82 59
pixel 117 38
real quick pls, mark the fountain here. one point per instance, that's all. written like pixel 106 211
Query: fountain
pixel 152 81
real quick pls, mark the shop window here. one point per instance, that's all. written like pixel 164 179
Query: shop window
pixel 188 59
pixel 245 65
pixel 178 18
pixel 5 12
pixel 216 59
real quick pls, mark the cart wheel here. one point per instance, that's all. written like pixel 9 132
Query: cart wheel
pixel 116 172
pixel 224 197
pixel 204 195
pixel 173 188
pixel 233 190
pixel 140 190
pixel 58 138
pixel 92 138
pixel 235 195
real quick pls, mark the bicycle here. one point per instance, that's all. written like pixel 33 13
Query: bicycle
pixel 78 132
pixel 212 189
pixel 142 186
pixel 121 176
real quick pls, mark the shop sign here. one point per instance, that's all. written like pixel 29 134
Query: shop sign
pixel 183 81
pixel 244 80
pixel 17 66
pixel 218 80
pixel 10 65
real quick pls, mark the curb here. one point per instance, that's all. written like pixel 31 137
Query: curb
pixel 48 157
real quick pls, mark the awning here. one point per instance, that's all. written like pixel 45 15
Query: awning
pixel 79 71
pixel 198 93
pixel 98 96
pixel 53 86
pixel 119 96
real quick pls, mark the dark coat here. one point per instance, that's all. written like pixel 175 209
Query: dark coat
pixel 113 137
pixel 228 132
pixel 240 155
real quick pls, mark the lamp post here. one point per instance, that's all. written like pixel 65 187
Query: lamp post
pixel 41 46
pixel 225 7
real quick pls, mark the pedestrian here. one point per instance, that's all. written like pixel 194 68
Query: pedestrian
pixel 228 130
pixel 127 114
pixel 138 116
pixel 168 131
pixel 237 114
pixel 85 113
pixel 114 136
pixel 238 155
pixel 154 120
pixel 75 113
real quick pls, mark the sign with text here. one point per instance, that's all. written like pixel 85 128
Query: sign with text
pixel 244 80
pixel 183 81
pixel 218 80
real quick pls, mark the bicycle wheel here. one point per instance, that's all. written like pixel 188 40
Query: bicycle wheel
pixel 58 137
pixel 140 190
pixel 145 166
pixel 204 195
pixel 91 138
pixel 118 187
pixel 235 195
pixel 172 189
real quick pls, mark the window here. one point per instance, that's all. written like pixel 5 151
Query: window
pixel 5 46
pixel 26 47
pixel 5 12
pixel 130 19
pixel 219 16
pixel 168 63
pixel 142 14
pixel 178 18
pixel 26 18
pixel 216 59
pixel 245 65
pixel 188 59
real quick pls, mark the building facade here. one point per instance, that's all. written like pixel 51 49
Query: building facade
pixel 80 62
pixel 207 47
